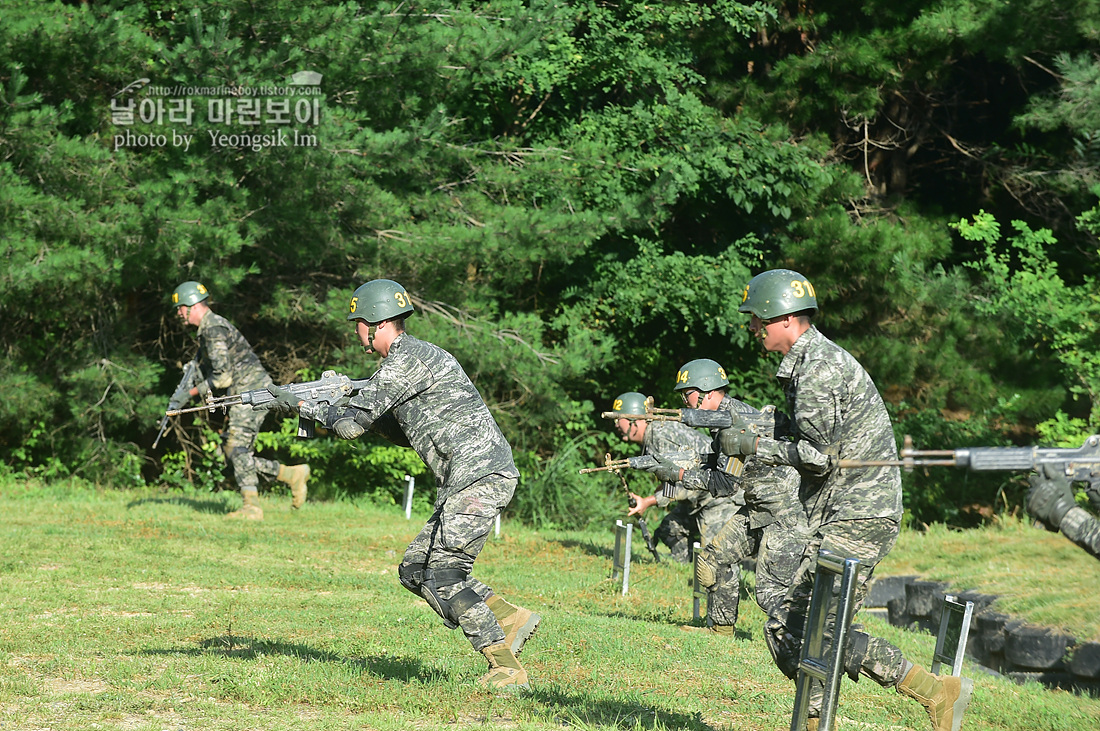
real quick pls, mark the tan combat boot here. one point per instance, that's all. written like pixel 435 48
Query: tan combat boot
pixel 723 630
pixel 296 477
pixel 519 624
pixel 505 672
pixel 251 509
pixel 945 697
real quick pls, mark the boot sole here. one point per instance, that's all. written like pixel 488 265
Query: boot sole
pixel 960 705
pixel 526 632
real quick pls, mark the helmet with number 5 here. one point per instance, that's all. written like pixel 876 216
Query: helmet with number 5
pixel 703 374
pixel 378 300
pixel 778 292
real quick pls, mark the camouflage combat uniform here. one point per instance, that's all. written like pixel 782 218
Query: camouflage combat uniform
pixel 836 413
pixel 227 362
pixel 1083 529
pixel 446 421
pixel 695 513
pixel 768 524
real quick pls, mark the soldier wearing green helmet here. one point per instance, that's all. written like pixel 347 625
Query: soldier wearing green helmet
pixel 834 412
pixel 226 362
pixel 695 515
pixel 439 413
pixel 766 523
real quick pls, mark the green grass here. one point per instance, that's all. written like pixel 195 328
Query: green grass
pixel 150 611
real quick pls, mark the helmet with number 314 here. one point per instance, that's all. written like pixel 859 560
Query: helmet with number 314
pixel 778 292
pixel 378 300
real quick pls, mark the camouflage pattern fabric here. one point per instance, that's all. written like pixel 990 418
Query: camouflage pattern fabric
pixel 452 539
pixel 238 444
pixel 868 540
pixel 440 412
pixel 1083 529
pixel 449 426
pixel 696 513
pixel 227 361
pixel 835 413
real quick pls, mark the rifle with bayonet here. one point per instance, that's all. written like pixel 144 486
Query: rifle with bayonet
pixel 1079 464
pixel 179 397
pixel 761 422
pixel 330 388
pixel 616 465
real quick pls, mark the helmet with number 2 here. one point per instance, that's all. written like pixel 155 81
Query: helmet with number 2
pixel 378 300
pixel 778 292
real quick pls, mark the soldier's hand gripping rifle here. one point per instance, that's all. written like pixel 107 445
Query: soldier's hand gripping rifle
pixel 330 388
pixel 616 465
pixel 180 397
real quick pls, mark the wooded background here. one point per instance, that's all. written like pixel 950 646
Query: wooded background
pixel 576 194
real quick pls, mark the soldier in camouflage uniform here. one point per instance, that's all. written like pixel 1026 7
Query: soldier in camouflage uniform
pixel 695 514
pixel 767 525
pixel 442 416
pixel 1050 500
pixel 835 412
pixel 226 362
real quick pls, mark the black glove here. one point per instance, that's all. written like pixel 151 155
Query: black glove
pixel 179 398
pixel 665 469
pixel 737 440
pixel 1050 498
pixel 285 402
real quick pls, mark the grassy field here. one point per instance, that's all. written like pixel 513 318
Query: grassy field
pixel 151 612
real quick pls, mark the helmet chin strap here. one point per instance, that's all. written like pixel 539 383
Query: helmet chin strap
pixel 371 331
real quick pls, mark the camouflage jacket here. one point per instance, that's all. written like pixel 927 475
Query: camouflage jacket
pixel 440 412
pixel 1083 529
pixel 835 413
pixel 226 360
pixel 769 493
pixel 689 449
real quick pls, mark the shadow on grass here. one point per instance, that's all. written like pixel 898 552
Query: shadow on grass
pixel 211 506
pixel 582 711
pixel 251 648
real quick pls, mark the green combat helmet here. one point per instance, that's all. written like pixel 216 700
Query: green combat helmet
pixel 189 293
pixel 703 374
pixel 778 292
pixel 378 300
pixel 630 402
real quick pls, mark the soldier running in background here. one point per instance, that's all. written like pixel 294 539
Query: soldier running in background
pixel 768 525
pixel 225 361
pixel 695 514
pixel 433 407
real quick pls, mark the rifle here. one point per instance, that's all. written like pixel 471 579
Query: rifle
pixel 328 389
pixel 1080 464
pixel 761 422
pixel 632 463
pixel 179 397
pixel 610 465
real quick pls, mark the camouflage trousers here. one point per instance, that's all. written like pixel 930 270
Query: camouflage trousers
pixel 868 540
pixel 438 563
pixel 684 524
pixel 678 530
pixel 238 445
pixel 777 548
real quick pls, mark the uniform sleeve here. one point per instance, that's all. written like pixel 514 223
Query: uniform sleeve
pixel 393 384
pixel 817 421
pixel 1083 529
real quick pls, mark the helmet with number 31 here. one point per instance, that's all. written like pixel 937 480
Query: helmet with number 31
pixel 378 300
pixel 778 292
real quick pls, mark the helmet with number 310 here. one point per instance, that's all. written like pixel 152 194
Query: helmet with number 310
pixel 378 300
pixel 778 292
